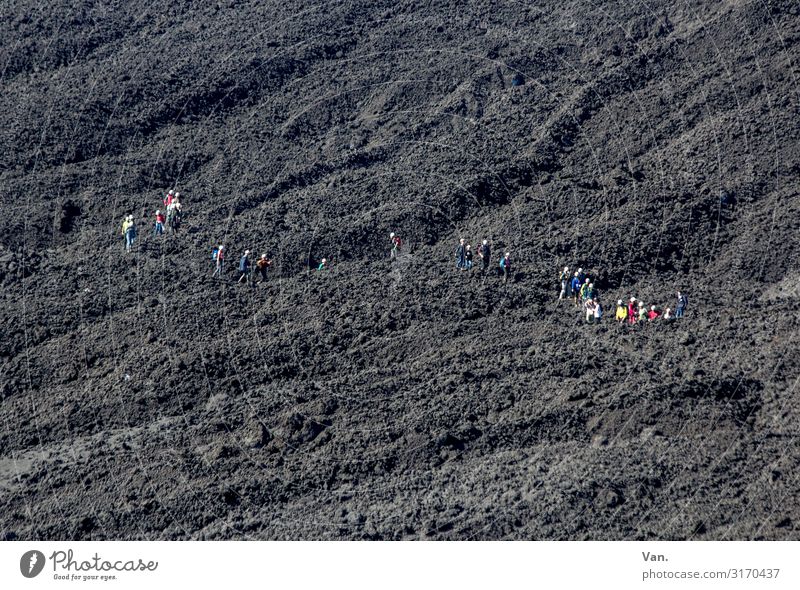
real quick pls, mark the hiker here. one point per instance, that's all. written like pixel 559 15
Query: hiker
pixel 159 229
pixel 244 267
pixel 468 258
pixel 652 314
pixel 581 276
pixel 323 264
pixel 642 312
pixel 592 292
pixel 169 197
pixel 262 264
pixel 174 215
pixel 397 243
pixel 564 278
pixel 485 254
pixel 632 311
pixel 505 266
pixel 588 307
pixel 622 312
pixel 585 290
pixel 683 301
pixel 461 250
pixel 667 314
pixel 575 288
pixel 218 256
pixel 129 231
pixel 598 311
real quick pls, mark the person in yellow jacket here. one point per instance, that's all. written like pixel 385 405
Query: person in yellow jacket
pixel 622 312
pixel 129 232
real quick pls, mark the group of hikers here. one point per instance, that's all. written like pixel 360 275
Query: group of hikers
pixel 245 267
pixel 584 295
pixel 577 286
pixel 171 217
pixel 464 258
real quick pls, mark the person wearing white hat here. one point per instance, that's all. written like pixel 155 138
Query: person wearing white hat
pixel 262 264
pixel 159 229
pixel 397 243
pixel 323 264
pixel 622 312
pixel 173 210
pixel 129 232
pixel 632 311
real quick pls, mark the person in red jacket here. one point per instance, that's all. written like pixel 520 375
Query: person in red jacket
pixel 159 229
pixel 632 311
pixel 653 314
pixel 397 243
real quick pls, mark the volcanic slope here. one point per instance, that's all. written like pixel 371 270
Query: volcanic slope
pixel 655 144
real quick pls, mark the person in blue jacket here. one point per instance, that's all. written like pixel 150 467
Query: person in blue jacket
pixel 244 267
pixel 575 285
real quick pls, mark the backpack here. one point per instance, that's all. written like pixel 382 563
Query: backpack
pixel 214 253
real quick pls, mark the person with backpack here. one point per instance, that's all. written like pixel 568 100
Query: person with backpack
pixel 642 312
pixel 323 264
pixel 505 266
pixel 218 256
pixel 244 267
pixel 581 276
pixel 485 254
pixel 652 314
pixel 262 264
pixel 622 312
pixel 397 244
pixel 168 198
pixel 683 301
pixel 129 232
pixel 598 311
pixel 173 215
pixel 460 254
pixel 468 257
pixel 564 278
pixel 585 288
pixel 159 229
